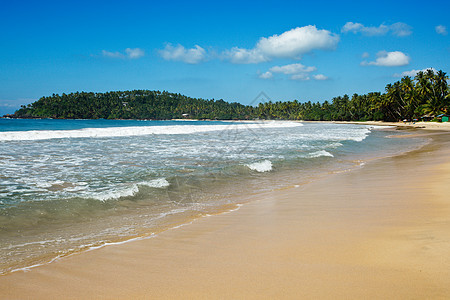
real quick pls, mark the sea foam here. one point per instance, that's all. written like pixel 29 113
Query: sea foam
pixel 262 166
pixel 156 183
pixel 320 153
pixel 136 130
pixel 130 190
pixel 116 194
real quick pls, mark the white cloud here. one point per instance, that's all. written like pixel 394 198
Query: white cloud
pixel 305 76
pixel 245 56
pixel 320 77
pixel 297 72
pixel 413 73
pixel 10 103
pixel 298 41
pixel 290 44
pixel 179 53
pixel 352 27
pixel 266 75
pixel 10 106
pixel 112 54
pixel 397 29
pixel 365 55
pixel 400 29
pixel 441 29
pixel 358 27
pixel 134 53
pixel 131 53
pixel 389 59
pixel 302 76
pixel 292 69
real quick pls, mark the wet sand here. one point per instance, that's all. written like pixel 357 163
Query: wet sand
pixel 381 231
pixel 443 126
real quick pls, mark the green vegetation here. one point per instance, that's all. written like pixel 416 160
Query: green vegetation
pixel 137 104
pixel 427 93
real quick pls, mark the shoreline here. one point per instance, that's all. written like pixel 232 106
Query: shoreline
pixel 43 253
pixel 253 251
pixel 411 125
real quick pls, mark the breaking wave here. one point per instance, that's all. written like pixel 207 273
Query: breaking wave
pixel 33 135
pixel 320 153
pixel 131 190
pixel 262 166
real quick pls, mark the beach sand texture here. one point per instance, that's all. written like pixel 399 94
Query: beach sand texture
pixel 419 125
pixel 381 231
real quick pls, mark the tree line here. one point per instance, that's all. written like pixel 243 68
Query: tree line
pixel 409 98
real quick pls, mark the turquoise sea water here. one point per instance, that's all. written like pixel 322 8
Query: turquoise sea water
pixel 72 185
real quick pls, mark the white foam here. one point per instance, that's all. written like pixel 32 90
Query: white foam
pixel 262 166
pixel 76 188
pixel 136 131
pixel 334 145
pixel 156 183
pixel 320 153
pixel 43 185
pixel 116 194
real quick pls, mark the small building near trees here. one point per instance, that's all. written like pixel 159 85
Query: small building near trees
pixel 443 118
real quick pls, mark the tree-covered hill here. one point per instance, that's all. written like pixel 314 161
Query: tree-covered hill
pixel 409 98
pixel 136 104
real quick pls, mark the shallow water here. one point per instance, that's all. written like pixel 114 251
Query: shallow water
pixel 69 185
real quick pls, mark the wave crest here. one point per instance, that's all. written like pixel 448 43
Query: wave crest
pixel 136 131
pixel 320 153
pixel 262 166
pixel 156 183
pixel 117 194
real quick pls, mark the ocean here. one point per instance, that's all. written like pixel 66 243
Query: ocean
pixel 68 186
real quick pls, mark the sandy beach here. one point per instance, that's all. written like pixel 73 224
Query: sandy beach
pixel 381 231
pixel 417 125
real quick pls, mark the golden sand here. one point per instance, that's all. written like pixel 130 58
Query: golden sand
pixel 381 231
pixel 418 125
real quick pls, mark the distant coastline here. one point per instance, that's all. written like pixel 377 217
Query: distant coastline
pixel 425 97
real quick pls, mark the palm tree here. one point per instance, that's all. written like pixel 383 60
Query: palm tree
pixel 391 103
pixel 409 96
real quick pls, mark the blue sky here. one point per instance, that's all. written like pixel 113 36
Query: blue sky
pixel 305 50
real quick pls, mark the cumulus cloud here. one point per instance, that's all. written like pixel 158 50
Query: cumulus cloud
pixel 413 73
pixel 320 77
pixel 11 103
pixel 245 56
pixel 297 41
pixel 297 72
pixel 130 53
pixel 305 76
pixel 179 53
pixel 9 106
pixel 397 29
pixel 441 29
pixel 112 54
pixel 360 28
pixel 134 53
pixel 301 76
pixel 400 29
pixel 292 69
pixel 290 44
pixel 266 75
pixel 389 59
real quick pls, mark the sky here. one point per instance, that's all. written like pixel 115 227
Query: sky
pixel 231 50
